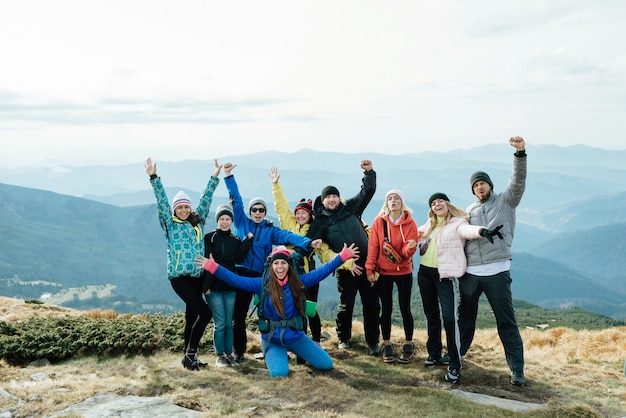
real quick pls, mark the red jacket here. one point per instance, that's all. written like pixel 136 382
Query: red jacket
pixel 399 235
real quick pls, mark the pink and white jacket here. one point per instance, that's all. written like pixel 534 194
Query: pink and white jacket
pixel 451 259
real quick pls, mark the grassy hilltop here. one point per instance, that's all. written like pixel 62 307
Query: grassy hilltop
pixel 574 372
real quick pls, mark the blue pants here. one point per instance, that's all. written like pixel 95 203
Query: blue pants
pixel 497 288
pixel 277 360
pixel 223 306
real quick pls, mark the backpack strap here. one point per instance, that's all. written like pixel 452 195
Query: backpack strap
pixel 386 232
pixel 269 326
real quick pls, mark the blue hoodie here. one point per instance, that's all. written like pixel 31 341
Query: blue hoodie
pixel 266 235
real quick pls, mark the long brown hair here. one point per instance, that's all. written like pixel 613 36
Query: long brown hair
pixel 276 290
pixel 453 212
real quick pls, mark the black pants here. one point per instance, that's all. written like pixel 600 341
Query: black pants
pixel 314 322
pixel 197 312
pixel 242 305
pixel 497 288
pixel 404 283
pixel 348 286
pixel 434 292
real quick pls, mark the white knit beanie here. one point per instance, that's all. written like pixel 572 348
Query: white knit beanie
pixel 181 198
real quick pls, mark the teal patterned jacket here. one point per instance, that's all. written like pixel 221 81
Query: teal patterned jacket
pixel 184 241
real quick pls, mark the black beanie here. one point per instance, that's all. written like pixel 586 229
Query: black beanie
pixel 437 196
pixel 480 175
pixel 329 190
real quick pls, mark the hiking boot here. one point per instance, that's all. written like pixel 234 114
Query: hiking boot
pixel 222 361
pixel 190 360
pixel 344 345
pixel 388 356
pixel 445 360
pixel 518 379
pixel 231 361
pixel 431 361
pixel 407 352
pixel 452 375
pixel 238 357
pixel 374 350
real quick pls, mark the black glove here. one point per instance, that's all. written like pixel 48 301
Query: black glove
pixel 490 233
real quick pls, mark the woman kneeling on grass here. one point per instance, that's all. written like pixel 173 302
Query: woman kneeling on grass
pixel 283 311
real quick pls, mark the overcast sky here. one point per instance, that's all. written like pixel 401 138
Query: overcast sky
pixel 85 82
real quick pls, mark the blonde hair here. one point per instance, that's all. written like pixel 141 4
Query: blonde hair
pixel 384 210
pixel 453 212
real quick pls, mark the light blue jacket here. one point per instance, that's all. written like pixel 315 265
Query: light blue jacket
pixel 184 241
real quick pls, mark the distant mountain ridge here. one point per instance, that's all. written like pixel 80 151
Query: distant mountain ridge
pixel 568 247
pixel 565 174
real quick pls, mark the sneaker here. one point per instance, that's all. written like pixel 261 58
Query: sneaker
pixel 445 360
pixel 388 356
pixel 431 361
pixel 407 352
pixel 344 345
pixel 374 350
pixel 238 357
pixel 222 361
pixel 202 365
pixel 231 361
pixel 190 360
pixel 452 375
pixel 518 379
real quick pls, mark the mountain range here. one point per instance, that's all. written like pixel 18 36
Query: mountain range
pixel 95 227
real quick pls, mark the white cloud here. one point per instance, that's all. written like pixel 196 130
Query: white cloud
pixel 107 81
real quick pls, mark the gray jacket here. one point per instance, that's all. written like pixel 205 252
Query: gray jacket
pixel 498 209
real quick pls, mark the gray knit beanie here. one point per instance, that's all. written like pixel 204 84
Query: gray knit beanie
pixel 480 175
pixel 257 201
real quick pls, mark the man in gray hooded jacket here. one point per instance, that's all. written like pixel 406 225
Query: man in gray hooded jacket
pixel 488 264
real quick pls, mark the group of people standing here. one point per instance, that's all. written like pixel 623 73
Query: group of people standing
pixel 462 255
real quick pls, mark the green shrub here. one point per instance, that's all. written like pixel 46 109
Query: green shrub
pixel 59 338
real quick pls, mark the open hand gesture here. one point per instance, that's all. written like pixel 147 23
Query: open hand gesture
pixel 274 174
pixel 218 168
pixel 150 168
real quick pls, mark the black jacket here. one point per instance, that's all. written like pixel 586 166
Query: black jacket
pixel 227 250
pixel 344 224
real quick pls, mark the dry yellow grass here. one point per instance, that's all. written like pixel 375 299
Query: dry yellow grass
pixel 563 367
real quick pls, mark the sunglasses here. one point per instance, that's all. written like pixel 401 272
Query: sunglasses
pixel 261 210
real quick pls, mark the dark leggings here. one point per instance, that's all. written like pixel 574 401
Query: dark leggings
pixel 197 312
pixel 314 322
pixel 404 283
pixel 434 292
